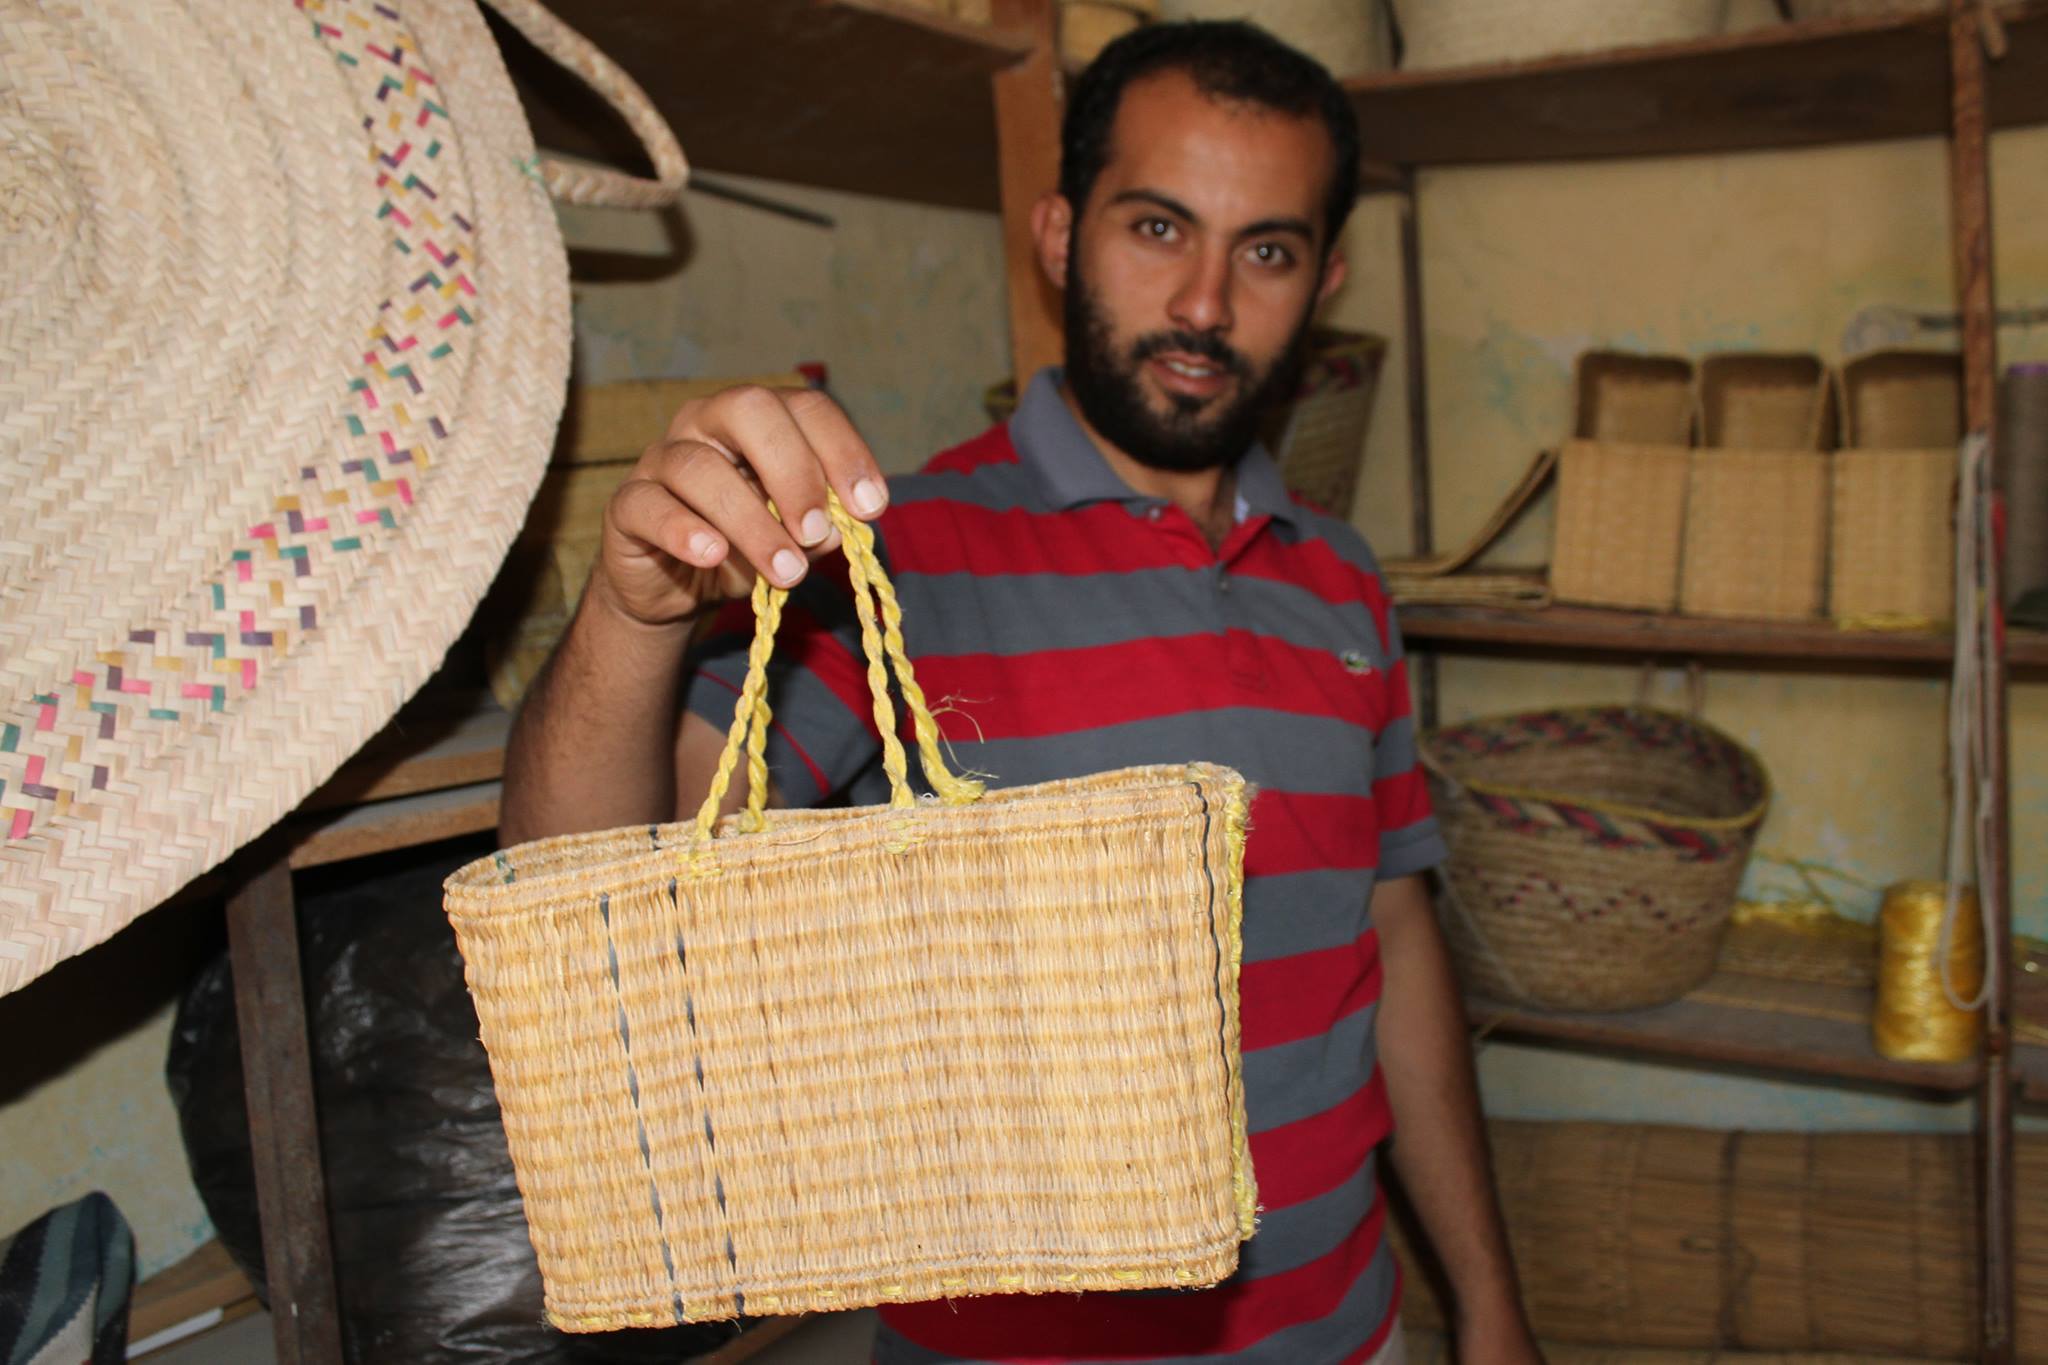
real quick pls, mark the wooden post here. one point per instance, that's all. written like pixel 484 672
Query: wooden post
pixel 1416 362
pixel 1970 197
pixel 284 1130
pixel 1028 146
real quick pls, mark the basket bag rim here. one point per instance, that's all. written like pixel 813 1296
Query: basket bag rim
pixel 1619 809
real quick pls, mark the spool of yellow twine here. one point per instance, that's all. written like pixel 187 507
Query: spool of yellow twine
pixel 1916 1019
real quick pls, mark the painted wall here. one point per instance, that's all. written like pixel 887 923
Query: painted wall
pixel 904 304
pixel 1523 268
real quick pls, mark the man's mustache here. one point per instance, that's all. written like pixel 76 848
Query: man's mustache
pixel 1207 345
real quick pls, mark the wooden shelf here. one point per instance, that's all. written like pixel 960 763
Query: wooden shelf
pixel 1639 633
pixel 431 774
pixel 876 96
pixel 1786 85
pixel 1816 1030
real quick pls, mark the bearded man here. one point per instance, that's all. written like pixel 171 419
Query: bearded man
pixel 1114 577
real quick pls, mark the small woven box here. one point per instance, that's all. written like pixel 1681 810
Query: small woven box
pixel 1756 515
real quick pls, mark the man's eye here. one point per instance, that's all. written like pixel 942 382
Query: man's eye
pixel 1156 228
pixel 1271 253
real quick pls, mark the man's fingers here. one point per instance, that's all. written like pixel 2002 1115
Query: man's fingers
pixel 717 498
pixel 753 425
pixel 648 512
pixel 847 461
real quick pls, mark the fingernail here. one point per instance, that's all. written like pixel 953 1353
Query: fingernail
pixel 788 566
pixel 867 497
pixel 703 545
pixel 815 526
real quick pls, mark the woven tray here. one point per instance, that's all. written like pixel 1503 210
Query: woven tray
pixel 1620 524
pixel 1892 539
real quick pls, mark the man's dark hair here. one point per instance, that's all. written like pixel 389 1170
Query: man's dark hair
pixel 1227 60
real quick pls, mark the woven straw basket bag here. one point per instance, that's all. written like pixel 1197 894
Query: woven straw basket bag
pixel 794 1060
pixel 1595 853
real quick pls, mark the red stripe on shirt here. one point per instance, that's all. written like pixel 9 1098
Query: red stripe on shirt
pixel 1288 998
pixel 817 773
pixel 1300 1160
pixel 1059 691
pixel 943 536
pixel 1042 1329
pixel 1315 565
pixel 1401 801
pixel 991 447
pixel 1303 832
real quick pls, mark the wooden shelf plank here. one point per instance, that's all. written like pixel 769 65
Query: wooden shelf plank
pixel 402 822
pixel 440 742
pixel 1639 633
pixel 1833 1041
pixel 875 96
pixel 1785 85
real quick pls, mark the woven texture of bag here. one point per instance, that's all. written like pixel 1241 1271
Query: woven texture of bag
pixel 797 1060
pixel 1595 852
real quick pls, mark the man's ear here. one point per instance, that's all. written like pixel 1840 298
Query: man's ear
pixel 1052 223
pixel 1335 268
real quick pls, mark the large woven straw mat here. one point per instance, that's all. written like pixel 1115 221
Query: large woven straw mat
pixel 284 335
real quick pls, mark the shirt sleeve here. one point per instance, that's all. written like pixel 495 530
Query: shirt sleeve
pixel 1410 840
pixel 823 732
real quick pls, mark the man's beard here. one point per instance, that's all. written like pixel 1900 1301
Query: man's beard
pixel 1184 440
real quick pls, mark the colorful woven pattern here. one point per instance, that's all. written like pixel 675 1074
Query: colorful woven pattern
pixel 270 413
pixel 1595 853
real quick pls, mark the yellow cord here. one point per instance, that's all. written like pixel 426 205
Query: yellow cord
pixel 1914 1020
pixel 881 632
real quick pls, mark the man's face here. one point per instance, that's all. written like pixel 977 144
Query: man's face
pixel 1192 273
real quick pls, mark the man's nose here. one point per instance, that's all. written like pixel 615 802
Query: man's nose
pixel 1202 303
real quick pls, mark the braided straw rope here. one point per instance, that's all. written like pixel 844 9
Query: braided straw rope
pixel 284 330
pixel 794 1060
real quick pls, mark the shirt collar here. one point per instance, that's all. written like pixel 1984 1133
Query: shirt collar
pixel 1058 450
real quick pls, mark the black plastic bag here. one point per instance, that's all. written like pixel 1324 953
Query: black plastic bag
pixel 432 1259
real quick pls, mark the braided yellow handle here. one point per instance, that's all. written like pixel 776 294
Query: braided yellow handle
pixel 881 638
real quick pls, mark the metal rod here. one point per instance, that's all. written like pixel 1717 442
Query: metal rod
pixel 718 189
pixel 1970 189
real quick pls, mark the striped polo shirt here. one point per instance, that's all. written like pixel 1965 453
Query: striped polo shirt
pixel 1062 624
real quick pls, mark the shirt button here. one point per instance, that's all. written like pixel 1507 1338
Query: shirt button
pixel 1223 582
pixel 1154 513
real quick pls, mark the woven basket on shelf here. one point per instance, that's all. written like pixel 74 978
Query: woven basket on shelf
pixel 1756 510
pixel 1622 396
pixel 798 1060
pixel 1892 500
pixel 1620 524
pixel 1441 33
pixel 1318 440
pixel 1891 554
pixel 1088 26
pixel 1902 400
pixel 1803 10
pixel 1350 37
pixel 1595 852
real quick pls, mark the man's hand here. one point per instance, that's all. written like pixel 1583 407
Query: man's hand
pixel 691 526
